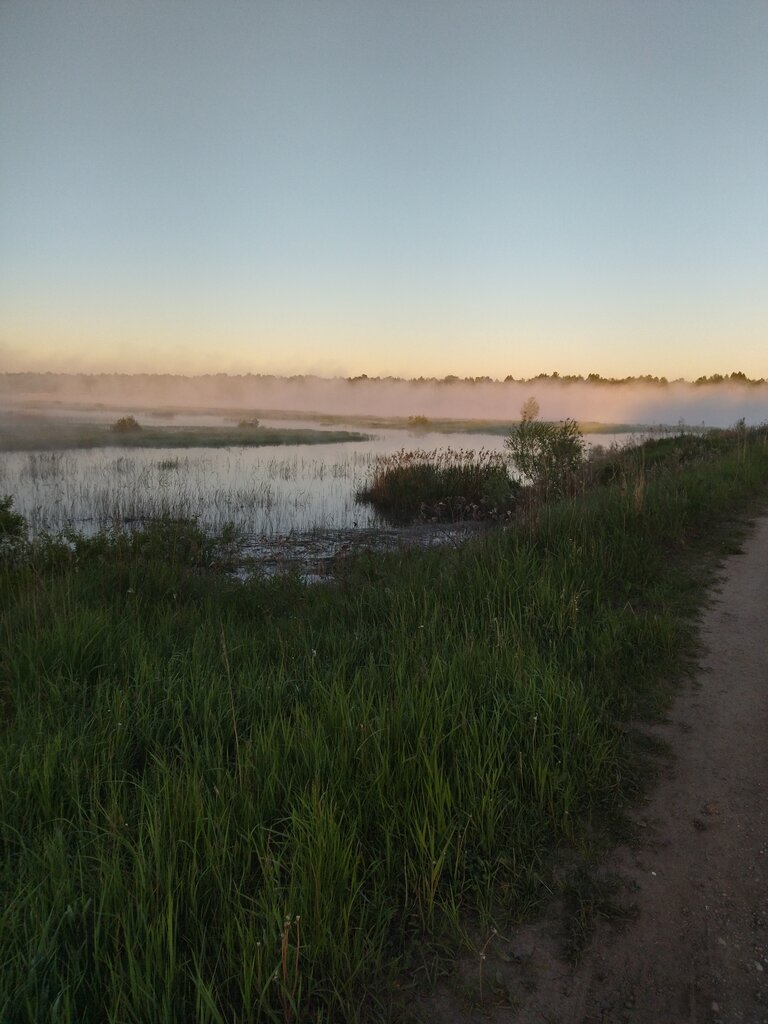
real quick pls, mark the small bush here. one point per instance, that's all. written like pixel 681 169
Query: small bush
pixel 13 532
pixel 126 425
pixel 547 454
pixel 250 424
pixel 13 526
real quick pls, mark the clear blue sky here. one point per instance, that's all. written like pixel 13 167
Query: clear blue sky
pixel 385 187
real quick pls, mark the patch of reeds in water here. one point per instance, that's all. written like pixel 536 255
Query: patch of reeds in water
pixel 262 494
pixel 446 483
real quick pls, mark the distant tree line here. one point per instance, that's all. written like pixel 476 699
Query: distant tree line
pixel 234 384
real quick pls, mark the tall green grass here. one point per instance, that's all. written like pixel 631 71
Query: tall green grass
pixel 227 803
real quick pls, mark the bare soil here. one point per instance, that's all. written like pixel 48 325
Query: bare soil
pixel 696 949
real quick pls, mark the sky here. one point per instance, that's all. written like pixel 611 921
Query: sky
pixel 405 187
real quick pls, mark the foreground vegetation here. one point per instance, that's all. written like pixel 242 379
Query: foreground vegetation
pixel 38 433
pixel 227 802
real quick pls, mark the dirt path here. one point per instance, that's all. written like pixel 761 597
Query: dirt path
pixel 698 948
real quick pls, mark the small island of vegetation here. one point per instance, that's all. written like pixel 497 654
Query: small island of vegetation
pixel 125 425
pixel 27 432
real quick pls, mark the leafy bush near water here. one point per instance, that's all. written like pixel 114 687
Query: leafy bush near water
pixel 12 525
pixel 13 532
pixel 548 455
pixel 232 804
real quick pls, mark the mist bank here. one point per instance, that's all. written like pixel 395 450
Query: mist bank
pixel 716 402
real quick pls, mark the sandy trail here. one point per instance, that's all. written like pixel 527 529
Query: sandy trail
pixel 698 948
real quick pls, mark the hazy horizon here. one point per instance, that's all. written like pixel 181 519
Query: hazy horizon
pixel 717 404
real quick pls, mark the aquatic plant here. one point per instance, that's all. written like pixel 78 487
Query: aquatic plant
pixel 262 492
pixel 446 483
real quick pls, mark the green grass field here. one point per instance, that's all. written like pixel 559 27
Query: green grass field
pixel 226 802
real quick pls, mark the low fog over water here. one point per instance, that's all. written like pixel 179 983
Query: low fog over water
pixel 640 402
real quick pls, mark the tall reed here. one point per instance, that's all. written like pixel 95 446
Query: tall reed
pixel 446 483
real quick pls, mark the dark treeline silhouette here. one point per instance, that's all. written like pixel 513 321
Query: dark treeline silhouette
pixel 236 384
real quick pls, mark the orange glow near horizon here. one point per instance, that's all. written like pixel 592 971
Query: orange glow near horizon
pixel 339 349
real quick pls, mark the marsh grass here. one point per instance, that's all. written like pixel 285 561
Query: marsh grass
pixel 240 803
pixel 264 493
pixel 446 483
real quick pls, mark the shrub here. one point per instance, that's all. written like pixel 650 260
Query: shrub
pixel 12 525
pixel 547 454
pixel 13 532
pixel 125 425
pixel 250 424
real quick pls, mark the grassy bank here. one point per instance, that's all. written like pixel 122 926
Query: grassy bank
pixel 230 803
pixel 31 433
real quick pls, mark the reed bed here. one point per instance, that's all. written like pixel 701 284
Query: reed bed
pixel 271 802
pixel 262 494
pixel 446 483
